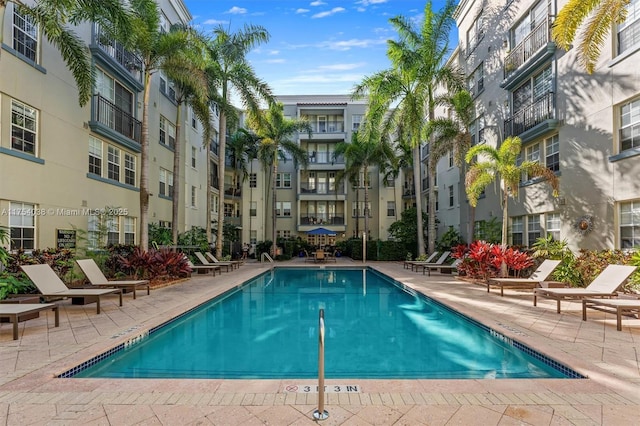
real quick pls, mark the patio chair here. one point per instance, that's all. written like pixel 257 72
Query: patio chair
pixel 426 265
pixel 234 263
pixel 320 256
pixel 97 278
pixel 409 263
pixel 203 260
pixel 13 311
pixel 619 307
pixel 604 285
pixel 207 268
pixel 52 287
pixel 542 273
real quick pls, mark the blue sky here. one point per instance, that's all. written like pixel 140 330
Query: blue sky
pixel 316 46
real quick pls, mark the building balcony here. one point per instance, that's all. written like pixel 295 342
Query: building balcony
pixel 320 190
pixel 107 119
pixel 111 51
pixel 325 220
pixel 233 220
pixel 533 120
pixel 535 49
pixel 232 191
pixel 324 158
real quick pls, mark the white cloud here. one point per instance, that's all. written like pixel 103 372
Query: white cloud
pixel 274 52
pixel 275 61
pixel 302 10
pixel 349 44
pixel 214 22
pixel 329 12
pixel 235 10
pixel 317 3
pixel 370 2
pixel 341 67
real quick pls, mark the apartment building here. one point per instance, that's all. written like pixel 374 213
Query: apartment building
pixel 584 127
pixel 62 165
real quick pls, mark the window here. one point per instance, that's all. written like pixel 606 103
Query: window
pixel 283 209
pixel 194 156
pixel 93 231
pixel 475 33
pixel 553 225
pixel 193 196
pixel 630 125
pixel 24 124
pixel 194 121
pixel 629 30
pixel 228 210
pixel 534 230
pixel 476 129
pixel 116 110
pixel 532 154
pixel 253 180
pixel 214 203
pixel 552 153
pixel 630 224
pixel 517 231
pixel 22 226
pixel 129 169
pixel 25 35
pixel 164 23
pixel 167 133
pixel 166 183
pixel 475 82
pixel 534 17
pixel 451 198
pixel 164 224
pixel 358 209
pixel 253 209
pixel 391 208
pixel 480 230
pixel 283 180
pixel 113 163
pixel 95 156
pixel 167 86
pixel 450 158
pixel 356 121
pixel 286 234
pixel 129 230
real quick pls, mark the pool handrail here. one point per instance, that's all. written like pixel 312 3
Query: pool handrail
pixel 321 413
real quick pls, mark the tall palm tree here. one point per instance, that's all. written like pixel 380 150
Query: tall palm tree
pixel 275 133
pixel 452 134
pixel 155 47
pixel 502 164
pixel 360 155
pixel 402 99
pixel 243 147
pixel 187 71
pixel 229 70
pixel 597 16
pixel 53 17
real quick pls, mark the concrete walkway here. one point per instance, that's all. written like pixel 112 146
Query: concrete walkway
pixel 30 395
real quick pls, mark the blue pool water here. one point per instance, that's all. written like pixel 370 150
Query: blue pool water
pixel 268 328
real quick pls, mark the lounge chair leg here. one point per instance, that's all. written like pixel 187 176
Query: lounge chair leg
pixel 134 292
pixel 501 291
pixel 535 299
pixel 584 311
pixel 120 294
pixel 98 305
pixel 558 305
pixel 57 316
pixel 148 290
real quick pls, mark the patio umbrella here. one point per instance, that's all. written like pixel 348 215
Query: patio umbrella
pixel 321 231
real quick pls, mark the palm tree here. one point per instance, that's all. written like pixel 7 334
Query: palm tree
pixel 230 70
pixel 502 164
pixel 187 71
pixel 599 16
pixel 155 48
pixel 360 155
pixel 401 98
pixel 243 147
pixel 275 133
pixel 52 18
pixel 452 134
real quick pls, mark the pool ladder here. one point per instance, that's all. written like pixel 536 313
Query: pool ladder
pixel 321 413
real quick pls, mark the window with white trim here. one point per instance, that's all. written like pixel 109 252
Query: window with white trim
pixel 113 230
pixel 253 209
pixel 253 180
pixel 476 129
pixel 129 169
pixel 166 183
pixel 451 197
pixel 630 125
pixel 167 86
pixel 358 208
pixel 283 209
pixel 517 231
pixel 534 229
pixel 630 224
pixel 629 30
pixel 114 155
pixel 113 163
pixel 283 180
pixel 25 36
pixel 193 196
pixel 531 20
pixel 129 230
pixel 95 156
pixel 253 237
pixel 22 225
pixel 475 81
pixel 552 153
pixel 391 208
pixel 475 32
pixel 553 224
pixel 356 121
pixel 167 133
pixel 194 156
pixel 93 231
pixel 24 127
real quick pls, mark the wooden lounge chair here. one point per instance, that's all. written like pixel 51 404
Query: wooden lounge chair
pixel 15 310
pixel 426 265
pixel 444 269
pixel 97 278
pixel 619 307
pixel 409 263
pixel 234 263
pixel 52 287
pixel 207 268
pixel 203 260
pixel 542 273
pixel 604 285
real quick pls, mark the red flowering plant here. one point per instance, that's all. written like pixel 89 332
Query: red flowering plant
pixel 484 260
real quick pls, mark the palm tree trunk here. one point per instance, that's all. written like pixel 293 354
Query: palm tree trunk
pixel 274 210
pixel 209 184
pixel 505 223
pixel 416 184
pixel 175 201
pixel 144 165
pixel 221 171
pixel 366 203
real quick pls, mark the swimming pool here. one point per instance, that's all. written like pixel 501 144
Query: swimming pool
pixel 375 328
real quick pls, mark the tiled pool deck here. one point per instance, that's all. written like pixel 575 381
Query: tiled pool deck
pixel 30 395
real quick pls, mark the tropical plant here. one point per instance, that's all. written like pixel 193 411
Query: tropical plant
pixel 15 284
pixel 598 16
pixel 243 147
pixel 483 260
pixel 502 164
pixel 4 239
pixel 404 230
pixel 276 133
pixel 230 70
pixel 156 48
pixel 401 97
pixel 159 235
pixel 449 239
pixel 360 155
pixel 548 248
pixel 194 237
pixel 54 18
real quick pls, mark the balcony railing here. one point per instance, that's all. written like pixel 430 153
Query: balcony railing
pixel 321 189
pixel 324 158
pixel 322 219
pixel 328 127
pixel 116 50
pixel 530 116
pixel 538 38
pixel 232 191
pixel 115 118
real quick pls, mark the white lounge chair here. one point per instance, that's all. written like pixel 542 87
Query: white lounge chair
pixel 13 311
pixel 444 269
pixel 542 273
pixel 52 287
pixel 97 278
pixel 425 265
pixel 604 285
pixel 408 263
pixel 234 263
pixel 212 268
pixel 203 260
pixel 619 307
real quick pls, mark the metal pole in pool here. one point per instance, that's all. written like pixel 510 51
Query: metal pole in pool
pixel 321 413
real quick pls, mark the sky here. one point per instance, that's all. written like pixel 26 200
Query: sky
pixel 316 46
